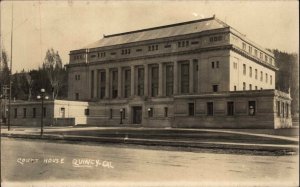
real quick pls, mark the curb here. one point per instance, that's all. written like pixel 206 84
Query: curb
pixel 157 142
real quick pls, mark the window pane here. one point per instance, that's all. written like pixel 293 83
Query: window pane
pixel 169 80
pixel 210 109
pixel 185 78
pixel 154 85
pixel 252 108
pixel 191 109
pixel 127 83
pixel 140 82
pixel 230 108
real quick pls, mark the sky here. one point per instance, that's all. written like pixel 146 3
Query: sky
pixel 70 25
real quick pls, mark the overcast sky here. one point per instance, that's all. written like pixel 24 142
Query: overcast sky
pixel 69 25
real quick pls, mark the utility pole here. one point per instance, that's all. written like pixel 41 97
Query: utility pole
pixel 4 97
pixel 10 68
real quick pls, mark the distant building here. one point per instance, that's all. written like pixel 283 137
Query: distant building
pixel 200 73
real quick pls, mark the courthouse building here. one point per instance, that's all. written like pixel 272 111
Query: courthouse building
pixel 200 73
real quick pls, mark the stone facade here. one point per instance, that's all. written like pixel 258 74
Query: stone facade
pixel 154 76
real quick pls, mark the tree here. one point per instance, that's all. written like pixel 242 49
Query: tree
pixel 4 80
pixel 29 85
pixel 287 77
pixel 4 70
pixel 53 67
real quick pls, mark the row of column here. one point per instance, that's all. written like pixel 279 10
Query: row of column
pixel 176 80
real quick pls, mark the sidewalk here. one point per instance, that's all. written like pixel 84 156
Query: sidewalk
pixel 197 138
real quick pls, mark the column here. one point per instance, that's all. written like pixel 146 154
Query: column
pixel 175 81
pixel 199 79
pixel 107 83
pixel 160 79
pixel 146 82
pixel 191 77
pixel 92 84
pixel 98 84
pixel 95 83
pixel 132 86
pixel 119 82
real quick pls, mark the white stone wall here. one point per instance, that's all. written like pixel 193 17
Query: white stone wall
pixel 237 76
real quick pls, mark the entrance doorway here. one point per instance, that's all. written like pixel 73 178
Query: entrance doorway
pixel 137 115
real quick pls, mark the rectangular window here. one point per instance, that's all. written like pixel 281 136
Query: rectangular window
pixel 234 88
pixel 169 80
pixel 213 65
pixel 255 87
pixel 250 49
pixel 184 78
pixel 154 81
pixel 217 64
pixel 251 108
pixel 250 86
pixel 114 84
pixel 153 48
pixel 166 111
pixel 150 112
pixel 16 113
pixel 44 112
pixel 250 71
pixel 195 75
pixel 255 52
pixel 215 88
pixel 234 65
pixel 76 96
pixel 87 112
pixel 125 51
pixel 92 84
pixel 261 55
pixel 210 108
pixel 24 112
pixel 278 108
pixel 123 113
pixel 110 113
pixel 266 58
pixel 183 43
pixel 244 69
pixel 255 73
pixel 62 112
pixel 77 77
pixel 102 84
pixel 244 46
pixel 230 108
pixel 33 112
pixel 140 82
pixel 266 78
pixel 271 81
pixel 261 76
pixel 191 109
pixel 127 82
pixel 244 86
